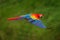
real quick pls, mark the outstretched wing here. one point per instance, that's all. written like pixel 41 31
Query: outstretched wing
pixel 38 23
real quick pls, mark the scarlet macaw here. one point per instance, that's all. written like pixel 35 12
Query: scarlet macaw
pixel 32 18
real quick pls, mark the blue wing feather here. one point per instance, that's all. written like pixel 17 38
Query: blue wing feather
pixel 39 23
pixel 24 16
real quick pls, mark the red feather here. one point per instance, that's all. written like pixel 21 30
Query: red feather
pixel 14 18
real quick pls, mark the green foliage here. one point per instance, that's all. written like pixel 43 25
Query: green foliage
pixel 22 30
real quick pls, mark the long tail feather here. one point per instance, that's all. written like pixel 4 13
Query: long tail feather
pixel 14 18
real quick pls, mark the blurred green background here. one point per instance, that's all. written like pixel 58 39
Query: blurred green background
pixel 21 29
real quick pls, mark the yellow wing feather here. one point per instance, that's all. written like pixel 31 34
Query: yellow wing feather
pixel 34 17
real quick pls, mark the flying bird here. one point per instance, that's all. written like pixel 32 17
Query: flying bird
pixel 32 18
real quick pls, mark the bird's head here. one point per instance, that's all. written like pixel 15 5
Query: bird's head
pixel 37 16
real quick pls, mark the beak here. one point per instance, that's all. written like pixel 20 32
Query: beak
pixel 41 17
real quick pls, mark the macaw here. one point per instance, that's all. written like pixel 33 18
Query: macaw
pixel 32 18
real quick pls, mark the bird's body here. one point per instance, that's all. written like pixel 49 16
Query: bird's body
pixel 32 18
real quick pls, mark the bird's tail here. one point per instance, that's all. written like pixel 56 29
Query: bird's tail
pixel 14 18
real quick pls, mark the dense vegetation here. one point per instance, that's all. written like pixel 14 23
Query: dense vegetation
pixel 22 30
